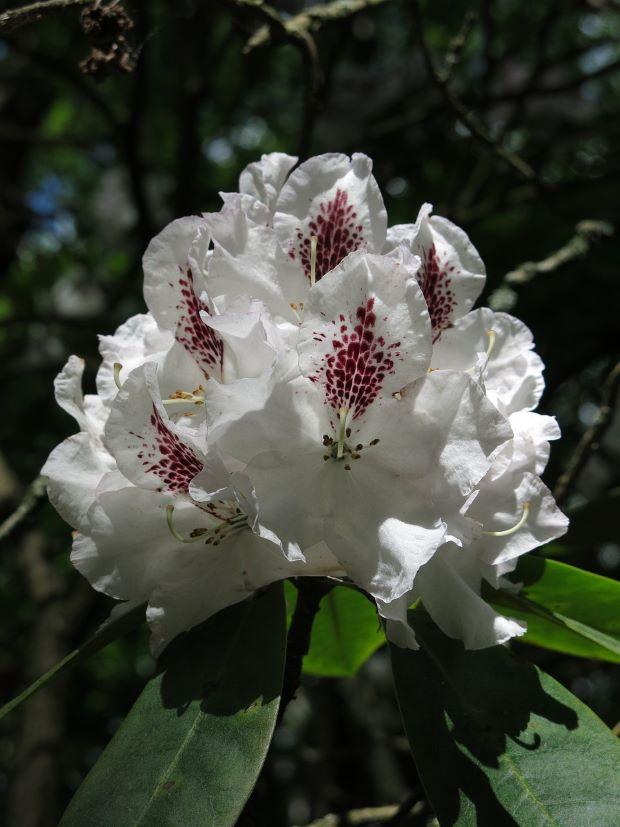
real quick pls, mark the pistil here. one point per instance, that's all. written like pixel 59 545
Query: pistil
pixel 508 531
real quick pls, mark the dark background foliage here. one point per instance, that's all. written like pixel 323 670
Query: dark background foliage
pixel 108 133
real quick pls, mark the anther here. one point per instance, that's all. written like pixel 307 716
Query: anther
pixel 374 441
pixel 508 531
pixel 313 244
pixel 347 467
pixel 359 447
pixel 117 375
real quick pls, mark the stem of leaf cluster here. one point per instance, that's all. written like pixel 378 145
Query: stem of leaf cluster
pixel 310 592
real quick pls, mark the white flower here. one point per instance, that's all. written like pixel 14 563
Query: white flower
pixel 310 393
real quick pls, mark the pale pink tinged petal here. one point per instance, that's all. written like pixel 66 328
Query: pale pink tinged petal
pixel 336 200
pixel 68 390
pixel 502 505
pixel 74 469
pixel 247 353
pixel 136 341
pixel 125 548
pixel 264 179
pixel 380 537
pixel 256 212
pixel 145 443
pixel 365 333
pixel 452 274
pixel 451 596
pixel 249 261
pixel 438 435
pixel 173 291
pixel 205 581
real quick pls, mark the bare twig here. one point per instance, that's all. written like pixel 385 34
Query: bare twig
pixel 587 233
pixel 310 592
pixel 312 19
pixel 300 37
pixel 34 493
pixel 464 115
pixel 365 815
pixel 589 442
pixel 457 44
pixel 25 13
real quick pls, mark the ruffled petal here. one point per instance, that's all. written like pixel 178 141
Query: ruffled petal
pixel 336 200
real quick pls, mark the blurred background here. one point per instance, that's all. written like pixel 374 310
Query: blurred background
pixel 117 117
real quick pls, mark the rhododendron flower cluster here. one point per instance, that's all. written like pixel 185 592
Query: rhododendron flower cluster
pixel 309 394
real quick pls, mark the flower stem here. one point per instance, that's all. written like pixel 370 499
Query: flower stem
pixel 310 592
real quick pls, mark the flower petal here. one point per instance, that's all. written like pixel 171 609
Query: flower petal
pixel 173 290
pixel 452 274
pixel 365 334
pixel 336 200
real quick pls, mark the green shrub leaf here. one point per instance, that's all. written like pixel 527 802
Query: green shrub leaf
pixel 192 746
pixel 566 609
pixel 498 742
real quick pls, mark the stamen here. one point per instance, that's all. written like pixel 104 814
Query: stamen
pixel 313 244
pixel 508 531
pixel 117 375
pixel 174 532
pixel 342 428
pixel 184 398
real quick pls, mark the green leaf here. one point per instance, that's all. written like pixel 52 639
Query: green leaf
pixel 498 742
pixel 566 609
pixel 345 633
pixel 111 630
pixel 192 746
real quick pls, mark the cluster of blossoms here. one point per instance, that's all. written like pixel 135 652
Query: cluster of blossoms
pixel 310 393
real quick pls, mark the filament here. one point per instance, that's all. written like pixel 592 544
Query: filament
pixel 174 532
pixel 342 429
pixel 508 531
pixel 313 244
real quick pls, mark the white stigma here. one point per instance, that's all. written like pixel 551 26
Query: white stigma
pixel 117 375
pixel 313 244
pixel 508 531
pixel 492 337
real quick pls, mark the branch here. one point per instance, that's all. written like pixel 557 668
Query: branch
pixel 464 115
pixel 310 592
pixel 34 493
pixel 23 13
pixel 311 19
pixel 587 233
pixel 369 815
pixel 589 442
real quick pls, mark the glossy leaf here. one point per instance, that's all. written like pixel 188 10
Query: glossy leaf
pixel 345 633
pixel 498 742
pixel 566 608
pixel 192 746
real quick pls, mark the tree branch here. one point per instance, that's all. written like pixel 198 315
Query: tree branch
pixel 370 815
pixel 587 233
pixel 312 19
pixel 34 493
pixel 24 13
pixel 464 115
pixel 589 442
pixel 310 592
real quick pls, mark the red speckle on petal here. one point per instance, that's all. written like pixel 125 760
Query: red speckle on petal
pixel 165 455
pixel 435 281
pixel 352 373
pixel 337 232
pixel 199 340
